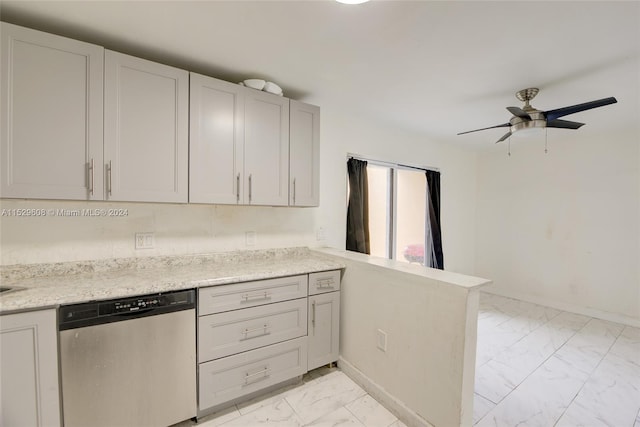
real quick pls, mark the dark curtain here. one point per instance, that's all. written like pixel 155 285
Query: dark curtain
pixel 358 208
pixel 435 242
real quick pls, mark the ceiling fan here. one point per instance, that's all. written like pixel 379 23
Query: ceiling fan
pixel 528 117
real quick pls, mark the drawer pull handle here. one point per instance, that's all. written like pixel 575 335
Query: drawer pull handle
pixel 261 375
pixel 258 296
pixel 313 313
pixel 262 328
pixel 326 283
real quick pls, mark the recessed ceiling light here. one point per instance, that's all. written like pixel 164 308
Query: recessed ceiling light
pixel 352 1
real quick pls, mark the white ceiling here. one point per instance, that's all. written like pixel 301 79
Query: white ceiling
pixel 434 67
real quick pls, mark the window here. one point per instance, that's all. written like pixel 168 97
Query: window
pixel 397 212
pixel 399 226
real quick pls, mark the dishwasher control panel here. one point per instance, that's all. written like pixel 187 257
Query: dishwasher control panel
pixel 147 302
pixel 134 305
pixel 96 312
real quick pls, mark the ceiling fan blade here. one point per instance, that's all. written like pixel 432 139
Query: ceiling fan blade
pixel 565 111
pixel 563 124
pixel 519 112
pixel 504 125
pixel 505 136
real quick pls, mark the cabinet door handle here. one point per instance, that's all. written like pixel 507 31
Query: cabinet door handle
pixel 91 177
pixel 109 178
pixel 238 189
pixel 313 313
pixel 249 188
pixel 294 191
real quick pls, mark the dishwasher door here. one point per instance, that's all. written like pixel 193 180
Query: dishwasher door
pixel 138 372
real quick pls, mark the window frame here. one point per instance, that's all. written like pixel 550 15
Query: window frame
pixel 392 204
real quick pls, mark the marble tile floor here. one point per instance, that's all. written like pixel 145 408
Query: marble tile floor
pixel 537 366
pixel 326 397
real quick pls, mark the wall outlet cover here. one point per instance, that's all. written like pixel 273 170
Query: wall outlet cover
pixel 145 241
pixel 250 238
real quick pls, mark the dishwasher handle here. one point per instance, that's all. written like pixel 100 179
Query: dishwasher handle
pixel 134 313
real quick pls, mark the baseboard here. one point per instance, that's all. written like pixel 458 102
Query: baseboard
pixel 396 407
pixel 586 311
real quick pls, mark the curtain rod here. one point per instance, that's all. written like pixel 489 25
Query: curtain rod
pixel 390 164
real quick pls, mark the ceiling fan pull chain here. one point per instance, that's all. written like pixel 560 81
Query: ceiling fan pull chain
pixel 546 132
pixel 509 145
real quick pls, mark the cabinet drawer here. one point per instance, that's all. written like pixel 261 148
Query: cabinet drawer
pixel 325 281
pixel 218 299
pixel 234 376
pixel 224 334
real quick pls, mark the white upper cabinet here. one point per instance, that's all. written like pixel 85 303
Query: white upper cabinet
pixel 239 144
pixel 50 116
pixel 304 154
pixel 266 149
pixel 146 135
pixel 216 141
pixel 80 122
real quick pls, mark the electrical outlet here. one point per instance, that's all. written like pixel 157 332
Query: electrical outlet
pixel 381 338
pixel 320 234
pixel 250 238
pixel 145 241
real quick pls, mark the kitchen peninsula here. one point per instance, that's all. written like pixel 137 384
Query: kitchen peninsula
pixel 423 371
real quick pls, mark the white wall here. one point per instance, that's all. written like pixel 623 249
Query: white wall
pixel 563 228
pixel 201 228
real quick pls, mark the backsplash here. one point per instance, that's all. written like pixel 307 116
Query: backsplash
pixel 63 231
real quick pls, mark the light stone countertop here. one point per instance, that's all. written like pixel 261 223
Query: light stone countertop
pixel 50 285
pixel 442 276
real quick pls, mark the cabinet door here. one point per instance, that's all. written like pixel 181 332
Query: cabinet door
pixel 216 141
pixel 29 365
pixel 50 116
pixel 324 329
pixel 266 150
pixel 304 154
pixel 146 130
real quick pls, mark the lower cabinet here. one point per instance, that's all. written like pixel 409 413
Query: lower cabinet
pixel 231 377
pixel 225 334
pixel 29 386
pixel 254 335
pixel 324 327
pixel 324 318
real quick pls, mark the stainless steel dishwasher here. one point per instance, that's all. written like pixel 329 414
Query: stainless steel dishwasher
pixel 130 361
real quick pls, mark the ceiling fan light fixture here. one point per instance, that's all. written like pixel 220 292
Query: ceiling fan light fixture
pixel 527 120
pixel 352 1
pixel 528 131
